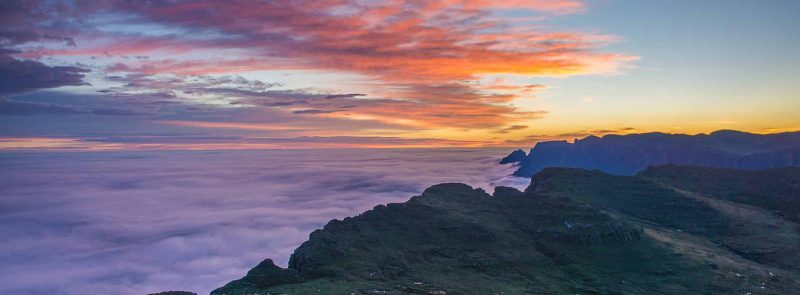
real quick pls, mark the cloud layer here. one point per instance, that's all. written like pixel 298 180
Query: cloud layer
pixel 140 222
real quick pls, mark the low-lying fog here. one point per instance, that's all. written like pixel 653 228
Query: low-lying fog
pixel 139 222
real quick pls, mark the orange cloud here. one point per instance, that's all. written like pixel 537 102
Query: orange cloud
pixel 551 6
pixel 423 57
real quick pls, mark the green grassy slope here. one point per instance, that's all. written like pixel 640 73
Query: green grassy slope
pixel 772 189
pixel 572 232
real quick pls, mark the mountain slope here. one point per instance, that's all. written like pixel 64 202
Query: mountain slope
pixel 775 190
pixel 662 197
pixel 765 203
pixel 629 154
pixel 571 231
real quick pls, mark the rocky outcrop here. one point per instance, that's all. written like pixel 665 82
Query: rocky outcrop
pixel 514 157
pixel 265 275
pixel 629 154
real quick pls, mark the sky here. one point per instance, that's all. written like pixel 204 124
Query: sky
pixel 212 75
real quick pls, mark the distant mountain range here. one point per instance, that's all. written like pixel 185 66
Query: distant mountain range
pixel 668 230
pixel 629 154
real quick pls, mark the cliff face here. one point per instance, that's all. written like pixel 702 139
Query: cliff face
pixel 629 154
pixel 514 157
pixel 571 231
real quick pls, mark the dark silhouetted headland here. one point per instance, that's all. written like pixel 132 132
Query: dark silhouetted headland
pixel 629 154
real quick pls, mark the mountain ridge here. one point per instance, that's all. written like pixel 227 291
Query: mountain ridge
pixel 629 154
pixel 572 230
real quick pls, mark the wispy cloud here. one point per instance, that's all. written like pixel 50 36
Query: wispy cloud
pixel 418 63
pixel 510 129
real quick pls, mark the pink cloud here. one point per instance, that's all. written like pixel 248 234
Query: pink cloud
pixel 418 53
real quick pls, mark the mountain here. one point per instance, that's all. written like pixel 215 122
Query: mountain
pixel 629 154
pixel 572 231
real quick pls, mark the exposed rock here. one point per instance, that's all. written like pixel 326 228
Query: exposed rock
pixel 514 157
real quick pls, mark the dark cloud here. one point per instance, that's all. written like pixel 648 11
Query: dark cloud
pixel 9 107
pixel 349 95
pixel 509 129
pixel 597 132
pixel 114 112
pixel 22 108
pixel 314 112
pixel 574 134
pixel 18 76
pixel 29 21
pixel 277 103
pixel 23 21
pixel 609 131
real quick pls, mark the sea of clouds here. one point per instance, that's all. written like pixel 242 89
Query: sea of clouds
pixel 142 222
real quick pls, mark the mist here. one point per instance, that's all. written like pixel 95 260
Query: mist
pixel 140 222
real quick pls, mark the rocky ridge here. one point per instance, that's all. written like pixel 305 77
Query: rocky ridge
pixel 630 154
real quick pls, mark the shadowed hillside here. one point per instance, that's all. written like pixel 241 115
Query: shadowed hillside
pixel 572 231
pixel 629 154
pixel 775 190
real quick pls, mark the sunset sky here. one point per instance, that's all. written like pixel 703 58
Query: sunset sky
pixel 120 75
